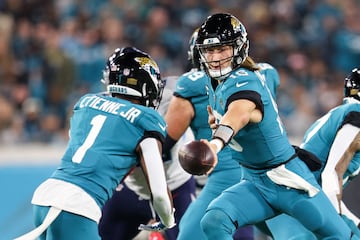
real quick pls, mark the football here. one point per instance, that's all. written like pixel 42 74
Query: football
pixel 196 157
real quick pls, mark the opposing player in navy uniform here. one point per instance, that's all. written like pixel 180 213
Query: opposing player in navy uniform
pixel 109 135
pixel 274 180
pixel 334 139
pixel 121 221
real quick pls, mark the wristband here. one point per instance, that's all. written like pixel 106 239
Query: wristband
pixel 224 133
pixel 168 145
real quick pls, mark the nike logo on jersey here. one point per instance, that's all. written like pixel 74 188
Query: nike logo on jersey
pixel 241 84
pixel 180 88
pixel 162 127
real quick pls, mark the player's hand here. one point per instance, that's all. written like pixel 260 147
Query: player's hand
pixel 214 154
pixel 211 118
pixel 154 227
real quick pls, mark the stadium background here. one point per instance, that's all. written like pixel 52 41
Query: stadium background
pixel 51 52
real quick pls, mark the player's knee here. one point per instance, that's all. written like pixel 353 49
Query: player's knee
pixel 216 220
pixel 211 219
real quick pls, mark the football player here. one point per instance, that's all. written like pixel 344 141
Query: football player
pixel 334 139
pixel 275 180
pixel 188 108
pixel 130 205
pixel 110 134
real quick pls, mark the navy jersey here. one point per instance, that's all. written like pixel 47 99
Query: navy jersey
pixel 319 138
pixel 272 146
pixel 104 134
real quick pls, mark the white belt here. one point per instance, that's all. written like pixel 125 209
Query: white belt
pixel 283 176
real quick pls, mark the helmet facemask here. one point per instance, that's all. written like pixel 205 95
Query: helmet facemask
pixel 240 52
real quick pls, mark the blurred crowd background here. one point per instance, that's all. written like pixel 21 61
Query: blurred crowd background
pixel 53 51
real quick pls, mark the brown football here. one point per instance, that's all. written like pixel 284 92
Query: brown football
pixel 196 157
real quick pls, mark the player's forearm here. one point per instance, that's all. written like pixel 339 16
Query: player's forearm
pixel 355 145
pixel 154 169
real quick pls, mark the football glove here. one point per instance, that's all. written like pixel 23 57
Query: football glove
pixel 154 227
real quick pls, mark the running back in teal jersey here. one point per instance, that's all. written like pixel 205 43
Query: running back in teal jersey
pixel 104 134
pixel 109 135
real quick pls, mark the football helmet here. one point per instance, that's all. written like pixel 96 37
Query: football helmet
pixel 134 74
pixel 352 84
pixel 193 52
pixel 223 29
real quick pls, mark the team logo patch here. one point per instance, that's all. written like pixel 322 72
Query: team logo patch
pixel 235 23
pixel 148 65
pixel 146 62
pixel 237 26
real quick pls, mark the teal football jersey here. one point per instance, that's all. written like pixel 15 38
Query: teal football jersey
pixel 104 134
pixel 275 147
pixel 271 77
pixel 192 86
pixel 319 138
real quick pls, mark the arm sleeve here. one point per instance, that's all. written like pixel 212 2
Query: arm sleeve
pixel 157 181
pixel 329 178
pixel 168 145
pixel 249 95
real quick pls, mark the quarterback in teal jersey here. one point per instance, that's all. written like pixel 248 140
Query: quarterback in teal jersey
pixel 188 107
pixel 245 117
pixel 334 139
pixel 109 135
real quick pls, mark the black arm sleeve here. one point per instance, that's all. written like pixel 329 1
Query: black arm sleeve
pixel 154 134
pixel 352 118
pixel 168 145
pixel 180 96
pixel 249 95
